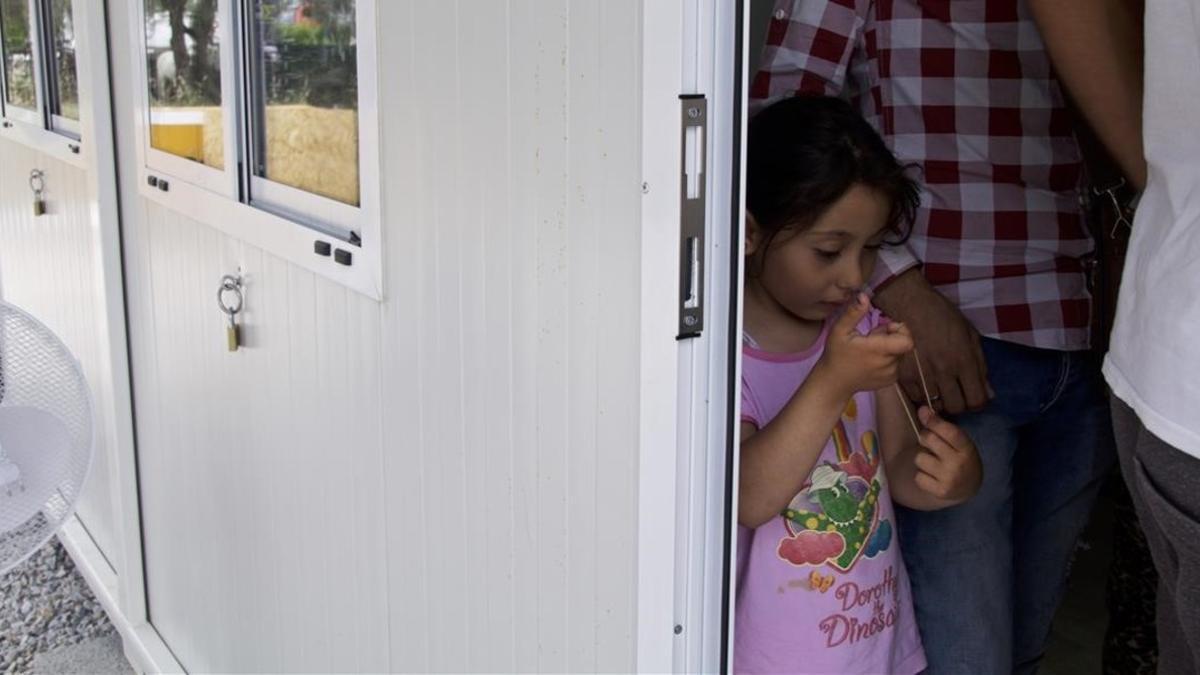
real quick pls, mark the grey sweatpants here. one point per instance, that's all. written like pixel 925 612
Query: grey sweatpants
pixel 1165 485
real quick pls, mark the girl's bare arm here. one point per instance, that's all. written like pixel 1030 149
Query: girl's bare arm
pixel 777 459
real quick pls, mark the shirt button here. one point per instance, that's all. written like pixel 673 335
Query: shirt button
pixel 779 15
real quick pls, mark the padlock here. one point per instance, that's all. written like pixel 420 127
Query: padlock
pixel 233 335
pixel 37 183
pixel 233 332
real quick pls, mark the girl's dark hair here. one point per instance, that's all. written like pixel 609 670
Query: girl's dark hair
pixel 805 152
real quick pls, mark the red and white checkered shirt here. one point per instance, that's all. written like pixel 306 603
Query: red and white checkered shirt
pixel 964 89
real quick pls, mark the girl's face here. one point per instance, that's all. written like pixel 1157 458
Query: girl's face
pixel 811 274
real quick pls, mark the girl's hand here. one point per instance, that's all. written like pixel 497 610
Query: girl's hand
pixel 948 465
pixel 853 362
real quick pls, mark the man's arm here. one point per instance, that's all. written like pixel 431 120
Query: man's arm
pixel 948 346
pixel 808 49
pixel 1096 48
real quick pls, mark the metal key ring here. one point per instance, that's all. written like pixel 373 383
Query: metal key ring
pixel 230 284
pixel 37 181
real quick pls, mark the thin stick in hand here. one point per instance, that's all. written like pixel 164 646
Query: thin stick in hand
pixel 904 399
pixel 908 411
pixel 921 374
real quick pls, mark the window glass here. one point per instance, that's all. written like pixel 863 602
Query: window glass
pixel 66 82
pixel 183 68
pixel 18 54
pixel 306 112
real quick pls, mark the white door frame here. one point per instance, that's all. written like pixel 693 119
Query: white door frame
pixel 662 58
pixel 687 479
pixel 119 585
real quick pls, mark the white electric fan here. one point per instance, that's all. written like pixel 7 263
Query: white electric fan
pixel 46 435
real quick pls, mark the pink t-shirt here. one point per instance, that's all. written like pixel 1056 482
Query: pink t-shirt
pixel 822 587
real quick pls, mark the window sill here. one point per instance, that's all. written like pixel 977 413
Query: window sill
pixel 55 145
pixel 275 235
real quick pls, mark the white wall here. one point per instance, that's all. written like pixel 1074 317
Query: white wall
pixel 48 268
pixel 446 480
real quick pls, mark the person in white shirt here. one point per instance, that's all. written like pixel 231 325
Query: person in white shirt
pixel 1153 365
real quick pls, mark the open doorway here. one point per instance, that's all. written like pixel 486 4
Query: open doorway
pixel 1077 639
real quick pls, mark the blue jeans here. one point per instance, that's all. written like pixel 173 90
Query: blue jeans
pixel 987 576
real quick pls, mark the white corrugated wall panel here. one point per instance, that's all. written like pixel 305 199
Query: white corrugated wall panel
pixel 444 481
pixel 48 268
pixel 513 216
pixel 262 490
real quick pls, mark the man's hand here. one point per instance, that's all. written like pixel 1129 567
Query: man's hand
pixel 948 345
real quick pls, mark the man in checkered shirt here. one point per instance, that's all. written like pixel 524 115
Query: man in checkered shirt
pixel 964 90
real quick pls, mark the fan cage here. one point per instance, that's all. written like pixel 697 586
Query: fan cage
pixel 38 371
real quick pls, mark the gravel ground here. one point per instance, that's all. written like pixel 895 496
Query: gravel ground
pixel 98 656
pixel 44 605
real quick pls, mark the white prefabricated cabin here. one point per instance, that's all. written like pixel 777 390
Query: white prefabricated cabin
pixel 479 416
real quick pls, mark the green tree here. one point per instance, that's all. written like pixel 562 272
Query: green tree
pixel 336 18
pixel 203 27
pixel 194 69
pixel 14 17
pixel 175 13
pixel 14 39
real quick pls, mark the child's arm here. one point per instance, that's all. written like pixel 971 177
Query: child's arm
pixel 940 471
pixel 777 459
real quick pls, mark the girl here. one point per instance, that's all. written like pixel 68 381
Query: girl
pixel 827 441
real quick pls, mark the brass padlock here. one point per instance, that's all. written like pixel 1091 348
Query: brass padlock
pixel 233 335
pixel 39 206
